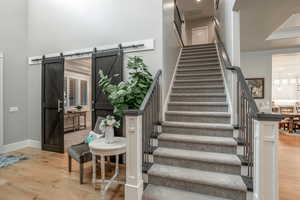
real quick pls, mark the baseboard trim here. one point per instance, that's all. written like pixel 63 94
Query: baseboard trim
pixel 20 145
pixel 34 144
pixel 255 196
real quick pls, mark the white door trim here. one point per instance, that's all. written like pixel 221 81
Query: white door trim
pixel 1 100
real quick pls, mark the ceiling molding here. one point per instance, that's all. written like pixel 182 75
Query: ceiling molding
pixel 285 34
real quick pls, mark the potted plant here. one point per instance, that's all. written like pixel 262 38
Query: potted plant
pixel 131 93
pixel 107 126
pixel 78 107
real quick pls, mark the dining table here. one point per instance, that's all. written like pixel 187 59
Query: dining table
pixel 291 120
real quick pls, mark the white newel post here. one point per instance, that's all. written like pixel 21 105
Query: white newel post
pixel 266 157
pixel 134 180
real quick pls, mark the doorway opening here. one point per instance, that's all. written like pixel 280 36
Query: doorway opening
pixel 77 101
pixel 200 35
pixel 286 101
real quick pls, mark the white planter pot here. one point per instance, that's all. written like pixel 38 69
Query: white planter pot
pixel 109 135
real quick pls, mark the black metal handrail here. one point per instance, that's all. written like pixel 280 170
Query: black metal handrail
pixel 246 110
pixel 150 110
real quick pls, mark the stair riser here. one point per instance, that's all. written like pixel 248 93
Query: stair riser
pixel 197 119
pixel 198 90
pixel 197 187
pixel 205 71
pixel 185 57
pixel 199 50
pixel 198 99
pixel 197 61
pixel 200 165
pixel 198 77
pixel 199 108
pixel 206 66
pixel 197 131
pixel 201 53
pixel 200 46
pixel 198 83
pixel 197 146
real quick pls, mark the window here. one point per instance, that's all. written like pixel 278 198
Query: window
pixel 83 92
pixel 75 91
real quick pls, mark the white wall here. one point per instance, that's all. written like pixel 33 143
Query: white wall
pixel 56 25
pixel 190 24
pixel 225 17
pixel 1 100
pixel 258 64
pixel 171 45
pixel 13 43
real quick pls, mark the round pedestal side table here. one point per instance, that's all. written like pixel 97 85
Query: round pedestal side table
pixel 100 148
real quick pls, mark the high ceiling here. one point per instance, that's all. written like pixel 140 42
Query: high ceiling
pixel 195 10
pixel 259 19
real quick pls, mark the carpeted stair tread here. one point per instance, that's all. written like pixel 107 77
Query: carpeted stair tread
pixel 199 94
pixel 191 113
pixel 198 64
pixel 187 57
pixel 210 157
pixel 220 180
pixel 202 74
pixel 199 125
pixel 213 51
pixel 199 87
pixel 154 192
pixel 198 103
pixel 222 141
pixel 199 80
pixel 199 69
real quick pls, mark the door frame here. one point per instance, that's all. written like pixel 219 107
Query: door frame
pixel 1 100
pixel 201 28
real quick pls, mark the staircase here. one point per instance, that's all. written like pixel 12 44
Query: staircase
pixel 196 155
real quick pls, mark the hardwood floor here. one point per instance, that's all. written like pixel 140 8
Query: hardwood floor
pixel 289 167
pixel 45 176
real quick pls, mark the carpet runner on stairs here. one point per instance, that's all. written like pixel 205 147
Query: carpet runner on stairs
pixel 196 156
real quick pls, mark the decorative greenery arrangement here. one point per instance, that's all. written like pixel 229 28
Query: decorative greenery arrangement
pixel 129 94
pixel 109 121
pixel 79 107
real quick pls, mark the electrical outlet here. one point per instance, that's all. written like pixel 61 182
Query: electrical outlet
pixel 13 109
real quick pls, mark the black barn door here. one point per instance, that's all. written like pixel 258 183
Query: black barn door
pixel 111 63
pixel 53 104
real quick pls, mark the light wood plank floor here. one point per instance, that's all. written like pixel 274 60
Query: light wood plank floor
pixel 45 176
pixel 289 167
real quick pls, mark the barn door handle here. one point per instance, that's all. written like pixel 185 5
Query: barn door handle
pixel 59 102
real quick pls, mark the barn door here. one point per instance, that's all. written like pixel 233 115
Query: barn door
pixel 111 63
pixel 52 104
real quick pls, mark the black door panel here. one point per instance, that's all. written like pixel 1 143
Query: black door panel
pixel 52 104
pixel 111 63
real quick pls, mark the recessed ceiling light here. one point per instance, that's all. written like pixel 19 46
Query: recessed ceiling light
pixel 198 0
